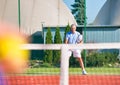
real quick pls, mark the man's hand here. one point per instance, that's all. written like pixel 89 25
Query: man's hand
pixel 81 42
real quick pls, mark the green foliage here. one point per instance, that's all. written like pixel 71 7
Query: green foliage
pixel 47 65
pixel 57 37
pixel 37 55
pixel 57 53
pixel 48 36
pixel 78 11
pixel 36 38
pixel 35 63
pixel 73 62
pixel 48 54
pixel 97 59
pixel 67 29
pixel 38 64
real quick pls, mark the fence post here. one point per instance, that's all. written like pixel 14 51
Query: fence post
pixel 64 71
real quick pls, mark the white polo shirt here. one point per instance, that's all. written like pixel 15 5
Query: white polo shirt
pixel 73 38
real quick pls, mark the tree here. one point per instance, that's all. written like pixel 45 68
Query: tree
pixel 48 54
pixel 57 53
pixel 78 11
pixel 67 29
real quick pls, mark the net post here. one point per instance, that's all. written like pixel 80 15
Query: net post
pixel 64 69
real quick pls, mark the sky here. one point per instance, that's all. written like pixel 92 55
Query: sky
pixel 92 8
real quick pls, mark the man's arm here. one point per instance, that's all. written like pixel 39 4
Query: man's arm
pixel 66 38
pixel 66 41
pixel 80 38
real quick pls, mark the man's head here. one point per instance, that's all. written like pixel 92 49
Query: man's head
pixel 73 28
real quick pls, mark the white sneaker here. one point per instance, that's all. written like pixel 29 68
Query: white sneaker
pixel 84 72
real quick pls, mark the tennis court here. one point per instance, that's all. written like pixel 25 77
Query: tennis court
pixel 99 36
pixel 51 76
pixel 64 75
pixel 74 80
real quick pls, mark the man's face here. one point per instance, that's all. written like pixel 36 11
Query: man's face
pixel 73 28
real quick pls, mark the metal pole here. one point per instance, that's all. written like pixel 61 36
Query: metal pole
pixel 58 12
pixel 85 28
pixel 19 15
pixel 42 24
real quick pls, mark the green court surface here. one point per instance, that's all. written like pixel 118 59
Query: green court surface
pixel 91 71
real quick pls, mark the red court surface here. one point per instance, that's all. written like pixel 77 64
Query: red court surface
pixel 74 80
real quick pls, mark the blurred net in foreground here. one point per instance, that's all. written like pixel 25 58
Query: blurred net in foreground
pixel 102 62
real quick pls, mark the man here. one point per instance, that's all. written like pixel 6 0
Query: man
pixel 74 37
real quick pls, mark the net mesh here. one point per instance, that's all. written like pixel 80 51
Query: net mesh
pixel 102 66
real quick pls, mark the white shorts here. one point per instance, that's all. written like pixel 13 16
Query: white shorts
pixel 76 53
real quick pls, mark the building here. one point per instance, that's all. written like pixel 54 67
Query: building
pixel 31 15
pixel 109 13
pixel 94 34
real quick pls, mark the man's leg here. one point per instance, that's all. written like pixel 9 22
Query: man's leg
pixel 82 65
pixel 77 54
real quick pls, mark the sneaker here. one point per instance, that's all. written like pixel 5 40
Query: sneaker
pixel 84 72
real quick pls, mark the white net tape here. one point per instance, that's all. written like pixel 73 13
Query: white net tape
pixel 71 46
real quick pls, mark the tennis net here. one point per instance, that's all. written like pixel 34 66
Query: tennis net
pixel 101 62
